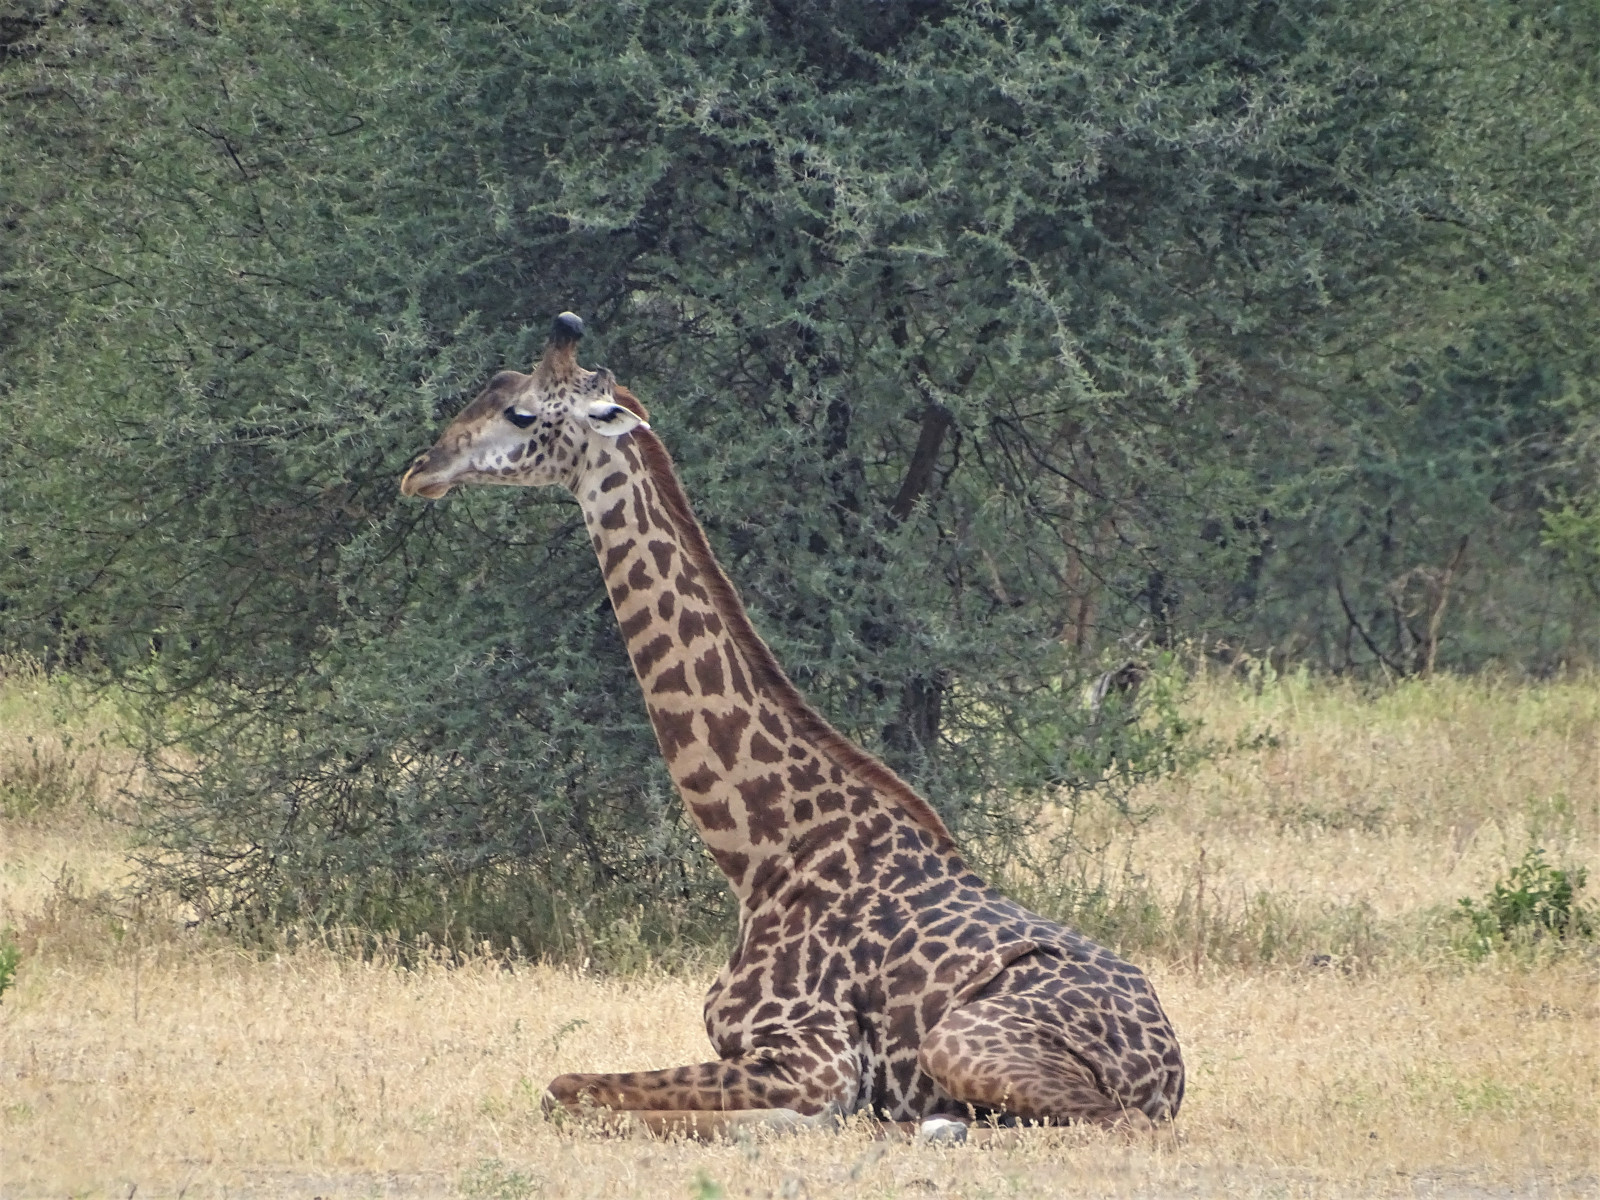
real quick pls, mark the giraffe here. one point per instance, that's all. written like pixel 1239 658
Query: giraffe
pixel 873 970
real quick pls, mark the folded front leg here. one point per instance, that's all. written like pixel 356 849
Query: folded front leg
pixel 805 1084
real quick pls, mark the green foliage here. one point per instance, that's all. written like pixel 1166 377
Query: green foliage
pixel 10 958
pixel 998 345
pixel 1575 533
pixel 1572 523
pixel 492 1179
pixel 1534 899
pixel 1406 528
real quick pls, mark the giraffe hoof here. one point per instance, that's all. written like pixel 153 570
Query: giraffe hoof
pixel 941 1131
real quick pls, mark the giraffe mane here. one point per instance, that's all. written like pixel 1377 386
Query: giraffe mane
pixel 763 663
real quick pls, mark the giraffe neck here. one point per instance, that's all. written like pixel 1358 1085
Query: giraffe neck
pixel 757 768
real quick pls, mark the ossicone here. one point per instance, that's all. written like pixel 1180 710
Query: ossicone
pixel 566 329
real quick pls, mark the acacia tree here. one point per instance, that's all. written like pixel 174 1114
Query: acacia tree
pixel 987 339
pixel 1453 415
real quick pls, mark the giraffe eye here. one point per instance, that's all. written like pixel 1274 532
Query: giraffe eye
pixel 520 419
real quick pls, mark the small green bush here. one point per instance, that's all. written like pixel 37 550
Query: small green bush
pixel 10 958
pixel 1535 899
pixel 493 1180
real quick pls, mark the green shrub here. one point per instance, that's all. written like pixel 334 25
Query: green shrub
pixel 988 339
pixel 1534 900
pixel 491 1179
pixel 10 958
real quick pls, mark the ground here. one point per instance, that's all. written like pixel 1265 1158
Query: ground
pixel 1397 1060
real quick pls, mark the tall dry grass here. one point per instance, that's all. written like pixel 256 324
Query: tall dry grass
pixel 1354 829
pixel 138 1059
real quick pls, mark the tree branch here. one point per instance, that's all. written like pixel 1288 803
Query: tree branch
pixel 1355 623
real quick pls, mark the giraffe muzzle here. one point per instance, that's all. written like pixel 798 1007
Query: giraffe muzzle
pixel 416 483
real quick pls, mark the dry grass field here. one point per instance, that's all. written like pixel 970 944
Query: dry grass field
pixel 1340 1039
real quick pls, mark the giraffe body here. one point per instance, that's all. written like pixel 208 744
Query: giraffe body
pixel 873 970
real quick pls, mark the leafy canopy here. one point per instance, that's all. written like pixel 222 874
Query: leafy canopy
pixel 995 343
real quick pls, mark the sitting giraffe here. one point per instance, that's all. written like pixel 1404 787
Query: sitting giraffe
pixel 873 971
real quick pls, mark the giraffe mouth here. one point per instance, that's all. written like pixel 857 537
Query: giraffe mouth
pixel 415 483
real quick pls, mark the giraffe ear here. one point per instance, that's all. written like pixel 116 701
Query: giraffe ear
pixel 612 419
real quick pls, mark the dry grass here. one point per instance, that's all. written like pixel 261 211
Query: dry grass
pixel 135 1057
pixel 214 1072
pixel 1357 832
pixel 52 764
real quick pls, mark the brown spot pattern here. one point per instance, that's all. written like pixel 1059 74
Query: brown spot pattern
pixel 671 680
pixel 763 751
pixel 700 780
pixel 647 656
pixel 708 672
pixel 763 798
pixel 714 815
pixel 724 732
pixel 872 966
pixel 616 556
pixel 662 552
pixel 674 730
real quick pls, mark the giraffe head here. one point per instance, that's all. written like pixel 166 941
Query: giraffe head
pixel 530 430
